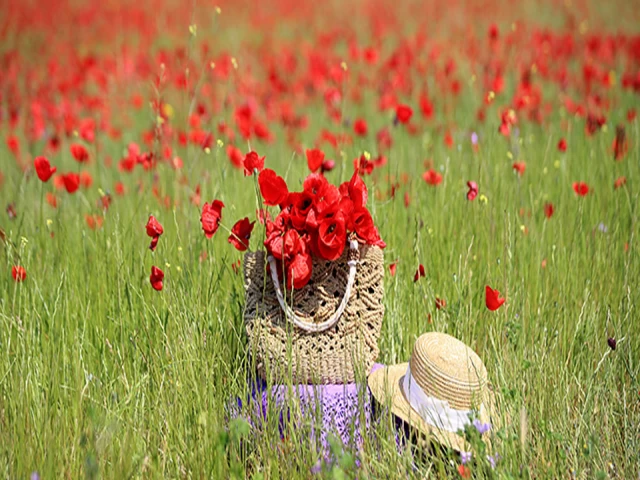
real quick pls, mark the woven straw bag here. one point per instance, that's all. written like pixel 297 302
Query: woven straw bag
pixel 333 326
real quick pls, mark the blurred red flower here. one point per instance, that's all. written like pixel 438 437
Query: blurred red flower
pixel 580 188
pixel 520 167
pixel 473 190
pixel 562 145
pixel 154 230
pixel 432 177
pixel 360 127
pixel 79 152
pixel 71 182
pixel 18 273
pixel 44 170
pixel 492 298
pixel 419 273
pixel 156 278
pixel 548 209
pixel 403 113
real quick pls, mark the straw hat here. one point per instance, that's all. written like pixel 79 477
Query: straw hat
pixel 442 388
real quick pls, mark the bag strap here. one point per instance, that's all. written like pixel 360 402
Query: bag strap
pixel 301 322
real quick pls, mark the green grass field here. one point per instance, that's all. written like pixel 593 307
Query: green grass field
pixel 103 377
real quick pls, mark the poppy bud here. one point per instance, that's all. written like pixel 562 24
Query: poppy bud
pixel 612 343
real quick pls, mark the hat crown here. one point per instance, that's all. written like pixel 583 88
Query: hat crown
pixel 447 369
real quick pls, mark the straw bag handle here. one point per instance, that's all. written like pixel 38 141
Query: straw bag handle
pixel 302 323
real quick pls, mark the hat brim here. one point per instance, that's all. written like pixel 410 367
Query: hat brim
pixel 386 387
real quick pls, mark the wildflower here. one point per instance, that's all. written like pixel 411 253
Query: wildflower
pixel 432 177
pixel 360 127
pixel 403 113
pixel 392 268
pixel 154 230
pixel 18 273
pixel 71 182
pixel 612 343
pixel 548 209
pixel 79 152
pixel 273 188
pixel 43 169
pixel 241 233
pixel 519 167
pixel 483 428
pixel 620 181
pixel 252 162
pixel 465 457
pixel 580 188
pixel 473 190
pixel 464 471
pixel 419 273
pixel 493 460
pixel 315 158
pixel 156 278
pixel 562 145
pixel 493 301
pixel 210 217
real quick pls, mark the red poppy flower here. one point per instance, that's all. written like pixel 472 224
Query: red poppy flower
pixel 392 268
pixel 562 145
pixel 360 127
pixel 473 190
pixel 548 210
pixel 71 182
pixel 272 187
pixel 43 168
pixel 520 167
pixel 440 303
pixel 154 230
pixel 315 158
pixel 52 199
pixel 299 271
pixel 252 162
pixel 403 113
pixel 156 278
pixel 464 471
pixel 86 180
pixel 492 298
pixel 241 233
pixel 235 156
pixel 18 273
pixel 93 221
pixel 332 237
pixel 580 188
pixel 620 181
pixel 419 273
pixel 210 217
pixel 79 152
pixel 432 177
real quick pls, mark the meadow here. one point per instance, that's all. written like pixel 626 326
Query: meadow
pixel 107 373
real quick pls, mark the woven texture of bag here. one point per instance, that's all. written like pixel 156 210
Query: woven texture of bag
pixel 333 355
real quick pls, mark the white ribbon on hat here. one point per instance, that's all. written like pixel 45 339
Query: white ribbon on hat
pixel 433 411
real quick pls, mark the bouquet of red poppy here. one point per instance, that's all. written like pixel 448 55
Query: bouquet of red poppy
pixel 318 221
pixel 325 324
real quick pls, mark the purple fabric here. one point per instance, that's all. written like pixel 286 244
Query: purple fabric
pixel 325 409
